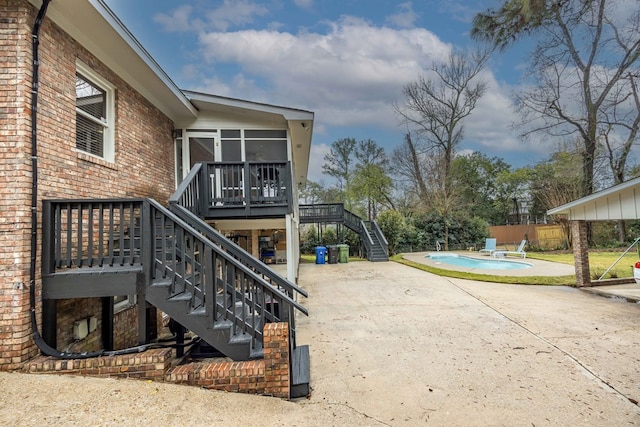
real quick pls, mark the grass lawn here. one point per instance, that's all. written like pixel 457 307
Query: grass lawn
pixel 311 259
pixel 599 262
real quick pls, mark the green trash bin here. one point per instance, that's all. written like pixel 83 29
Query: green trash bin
pixel 343 251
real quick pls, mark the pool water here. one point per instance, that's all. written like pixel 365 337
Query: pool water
pixel 489 264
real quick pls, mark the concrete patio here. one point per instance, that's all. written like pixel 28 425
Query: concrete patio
pixel 392 345
pixel 401 346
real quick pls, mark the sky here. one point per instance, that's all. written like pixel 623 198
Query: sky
pixel 345 60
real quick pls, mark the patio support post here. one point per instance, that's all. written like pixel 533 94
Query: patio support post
pixel 581 253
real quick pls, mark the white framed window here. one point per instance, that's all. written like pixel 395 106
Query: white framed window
pixel 123 302
pixel 95 114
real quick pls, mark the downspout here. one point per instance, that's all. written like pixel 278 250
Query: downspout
pixel 42 345
pixel 37 338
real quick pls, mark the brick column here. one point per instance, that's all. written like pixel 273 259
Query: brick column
pixel 581 253
pixel 276 359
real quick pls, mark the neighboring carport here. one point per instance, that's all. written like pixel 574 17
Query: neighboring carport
pixel 620 202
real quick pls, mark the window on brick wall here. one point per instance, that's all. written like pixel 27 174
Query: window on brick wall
pixel 95 115
pixel 123 302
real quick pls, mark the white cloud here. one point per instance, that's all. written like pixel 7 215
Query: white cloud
pixel 235 13
pixel 229 14
pixel 318 151
pixel 349 76
pixel 303 4
pixel 352 74
pixel 405 17
pixel 463 11
pixel 177 20
pixel 490 124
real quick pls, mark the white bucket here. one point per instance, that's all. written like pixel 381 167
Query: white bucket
pixel 636 272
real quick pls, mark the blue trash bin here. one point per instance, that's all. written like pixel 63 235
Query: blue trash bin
pixel 321 253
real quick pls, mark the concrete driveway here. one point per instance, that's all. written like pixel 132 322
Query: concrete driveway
pixel 392 345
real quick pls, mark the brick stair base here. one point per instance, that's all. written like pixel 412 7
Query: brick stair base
pixel 269 376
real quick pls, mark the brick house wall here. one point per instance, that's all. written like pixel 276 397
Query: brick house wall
pixel 143 166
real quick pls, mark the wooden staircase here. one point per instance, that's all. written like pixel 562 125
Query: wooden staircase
pixel 377 250
pixel 373 241
pixel 211 287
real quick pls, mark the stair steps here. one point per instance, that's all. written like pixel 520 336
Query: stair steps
pixel 216 332
pixel 378 253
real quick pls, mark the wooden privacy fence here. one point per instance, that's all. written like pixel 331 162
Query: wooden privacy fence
pixel 542 235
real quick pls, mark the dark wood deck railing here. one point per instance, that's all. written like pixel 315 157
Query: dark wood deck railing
pixel 91 233
pixel 216 190
pixel 186 203
pixel 328 212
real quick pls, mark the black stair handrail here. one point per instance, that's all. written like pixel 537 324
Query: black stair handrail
pixel 354 222
pixel 213 270
pixel 198 236
pixel 367 241
pixel 188 194
pixel 238 253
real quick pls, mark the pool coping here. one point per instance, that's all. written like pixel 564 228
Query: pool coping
pixel 538 267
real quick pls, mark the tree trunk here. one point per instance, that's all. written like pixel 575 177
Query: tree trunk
pixel 446 236
pixel 622 231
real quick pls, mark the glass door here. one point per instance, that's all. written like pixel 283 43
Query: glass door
pixel 203 147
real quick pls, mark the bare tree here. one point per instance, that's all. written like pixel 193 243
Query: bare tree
pixel 620 127
pixel 407 162
pixel 436 107
pixel 582 72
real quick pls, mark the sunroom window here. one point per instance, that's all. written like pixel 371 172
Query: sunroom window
pixel 94 114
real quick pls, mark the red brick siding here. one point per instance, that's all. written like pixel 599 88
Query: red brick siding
pixel 143 167
pixel 125 328
pixel 70 311
pixel 15 179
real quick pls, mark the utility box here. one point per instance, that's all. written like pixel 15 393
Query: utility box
pixel 80 329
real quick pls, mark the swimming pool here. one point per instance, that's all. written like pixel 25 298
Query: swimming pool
pixel 488 264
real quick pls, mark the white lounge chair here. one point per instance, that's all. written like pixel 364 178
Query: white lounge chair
pixel 489 246
pixel 520 251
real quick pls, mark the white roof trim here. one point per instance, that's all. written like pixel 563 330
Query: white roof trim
pixel 618 202
pixel 287 112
